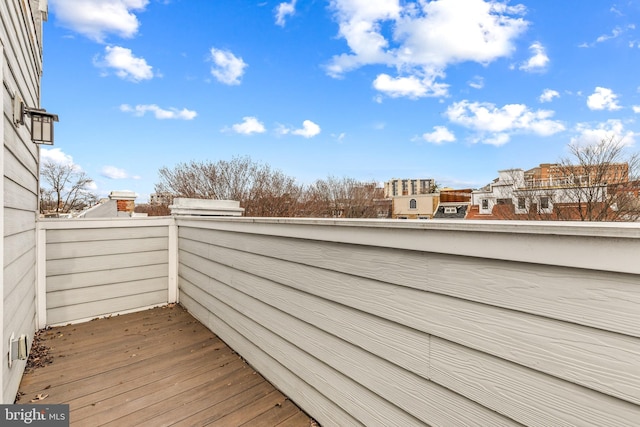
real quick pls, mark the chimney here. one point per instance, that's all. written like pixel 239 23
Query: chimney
pixel 125 202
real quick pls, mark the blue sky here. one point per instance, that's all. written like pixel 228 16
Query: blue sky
pixel 453 90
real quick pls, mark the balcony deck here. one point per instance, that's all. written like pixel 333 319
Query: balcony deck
pixel 152 368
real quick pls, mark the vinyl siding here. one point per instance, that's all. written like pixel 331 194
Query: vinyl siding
pixel 21 62
pixel 426 324
pixel 99 267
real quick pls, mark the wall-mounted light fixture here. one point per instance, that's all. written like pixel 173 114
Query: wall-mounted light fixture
pixel 41 121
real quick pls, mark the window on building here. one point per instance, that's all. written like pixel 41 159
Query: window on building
pixel 450 210
pixel 544 202
pixel 405 190
pixel 413 187
pixel 522 203
pixel 485 203
pixel 413 204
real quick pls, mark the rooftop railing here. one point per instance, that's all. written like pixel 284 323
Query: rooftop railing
pixel 383 322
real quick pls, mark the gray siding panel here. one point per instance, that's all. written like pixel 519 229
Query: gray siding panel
pixel 421 336
pixel 21 62
pixel 96 268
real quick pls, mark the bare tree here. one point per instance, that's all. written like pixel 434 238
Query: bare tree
pixel 602 181
pixel 65 189
pixel 260 190
pixel 342 198
pixel 595 182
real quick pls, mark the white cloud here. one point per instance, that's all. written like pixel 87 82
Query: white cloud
pixel 97 18
pixel 411 87
pixel 636 109
pixel 603 99
pixel 539 61
pixel 614 34
pixel 249 125
pixel 159 113
pixel 497 139
pixel 548 95
pixel 501 122
pixel 126 65
pixel 113 172
pixel 227 68
pixel 589 134
pixel 309 129
pixel 426 37
pixel 477 82
pixel 283 10
pixel 339 137
pixel 55 155
pixel 439 135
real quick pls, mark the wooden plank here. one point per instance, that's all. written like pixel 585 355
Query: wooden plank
pixel 562 293
pixel 213 391
pixel 202 411
pixel 250 412
pixel 104 292
pixel 128 379
pixel 360 382
pixel 140 402
pixel 594 358
pixel 106 262
pixel 163 385
pixel 294 421
pixel 96 278
pixel 104 349
pixel 278 414
pixel 525 395
pixel 100 308
pixel 77 250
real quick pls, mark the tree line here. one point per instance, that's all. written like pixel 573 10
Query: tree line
pixel 266 192
pixel 589 192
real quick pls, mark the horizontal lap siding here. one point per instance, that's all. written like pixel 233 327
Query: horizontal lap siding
pixel 440 338
pixel 21 68
pixel 92 272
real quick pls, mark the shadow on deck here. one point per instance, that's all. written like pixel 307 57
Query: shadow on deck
pixel 159 367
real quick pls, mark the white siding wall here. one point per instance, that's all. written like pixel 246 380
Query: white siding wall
pixel 99 267
pixel 439 323
pixel 21 67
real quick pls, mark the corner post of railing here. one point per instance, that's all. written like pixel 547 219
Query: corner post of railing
pixel 172 295
pixel 41 278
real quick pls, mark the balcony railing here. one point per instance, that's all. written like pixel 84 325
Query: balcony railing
pixel 381 322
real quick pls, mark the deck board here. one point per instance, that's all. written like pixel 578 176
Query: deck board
pixel 158 367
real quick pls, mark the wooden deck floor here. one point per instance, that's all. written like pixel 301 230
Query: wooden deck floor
pixel 159 367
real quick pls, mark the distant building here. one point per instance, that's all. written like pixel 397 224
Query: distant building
pixel 412 198
pixel 161 199
pixel 549 191
pixel 408 187
pixel 454 204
